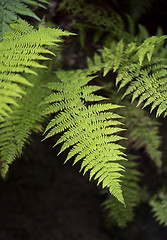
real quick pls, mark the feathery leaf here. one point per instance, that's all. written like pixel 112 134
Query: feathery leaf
pixel 90 130
pixel 19 52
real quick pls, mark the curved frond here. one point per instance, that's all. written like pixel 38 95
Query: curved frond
pixel 90 130
pixel 19 52
pixel 144 78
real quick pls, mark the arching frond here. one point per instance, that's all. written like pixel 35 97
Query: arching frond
pixel 145 79
pixel 90 130
pixel 19 52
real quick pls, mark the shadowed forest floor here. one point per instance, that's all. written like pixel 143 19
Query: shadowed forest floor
pixel 47 200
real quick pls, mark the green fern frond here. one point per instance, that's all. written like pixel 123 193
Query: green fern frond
pixel 148 46
pixel 159 207
pixel 90 130
pixel 147 83
pixel 145 79
pixel 9 11
pixel 137 121
pixel 20 51
pixel 107 60
pixel 95 65
pixel 27 117
pixel 115 211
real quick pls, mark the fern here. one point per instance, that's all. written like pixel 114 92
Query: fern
pixel 89 129
pixel 15 129
pixel 144 78
pixel 89 124
pixel 9 10
pixel 115 211
pixel 159 207
pixel 20 51
pixel 137 121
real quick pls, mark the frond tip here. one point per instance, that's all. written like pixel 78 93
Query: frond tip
pixel 115 211
pixel 90 130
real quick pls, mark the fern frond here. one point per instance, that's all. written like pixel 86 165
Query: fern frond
pixel 132 194
pixel 137 121
pixel 9 11
pixel 159 207
pixel 145 79
pixel 90 130
pixel 27 117
pixel 148 46
pixel 95 65
pixel 148 84
pixel 20 51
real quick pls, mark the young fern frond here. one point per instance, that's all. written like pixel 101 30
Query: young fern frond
pixel 9 11
pixel 115 211
pixel 159 207
pixel 90 129
pixel 20 51
pixel 27 117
